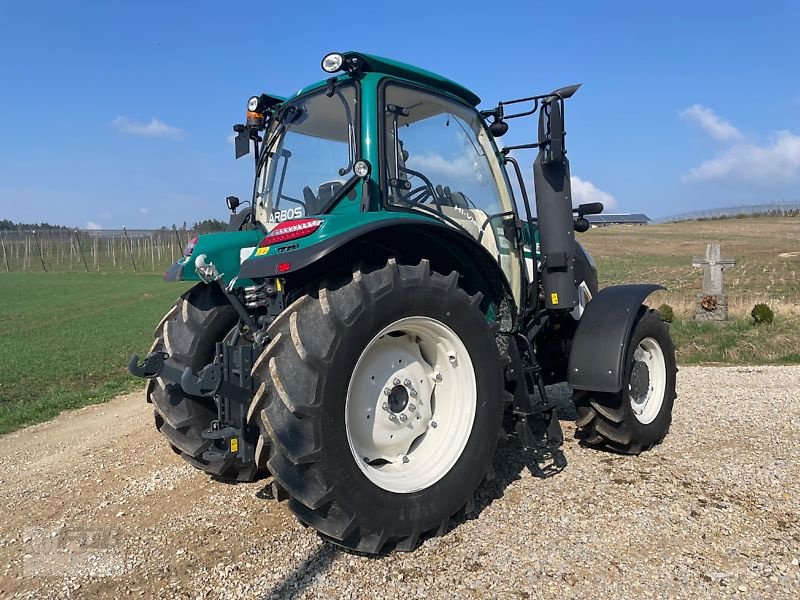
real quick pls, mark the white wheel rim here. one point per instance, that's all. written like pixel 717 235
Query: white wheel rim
pixel 407 447
pixel 648 381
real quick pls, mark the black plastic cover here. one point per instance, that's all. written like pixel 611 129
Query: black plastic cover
pixel 600 345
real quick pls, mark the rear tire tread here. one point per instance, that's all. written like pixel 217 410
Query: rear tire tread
pixel 294 461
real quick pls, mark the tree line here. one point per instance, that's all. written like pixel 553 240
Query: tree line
pixel 8 225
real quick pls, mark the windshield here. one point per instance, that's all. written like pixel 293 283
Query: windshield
pixel 308 156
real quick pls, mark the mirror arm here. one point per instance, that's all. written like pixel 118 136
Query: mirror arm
pixel 523 190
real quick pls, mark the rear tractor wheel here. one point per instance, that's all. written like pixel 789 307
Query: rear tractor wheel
pixel 382 397
pixel 188 334
pixel 638 416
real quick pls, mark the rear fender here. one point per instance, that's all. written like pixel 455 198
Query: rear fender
pixel 291 257
pixel 408 237
pixel 600 345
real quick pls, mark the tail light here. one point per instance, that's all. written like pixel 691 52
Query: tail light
pixel 291 230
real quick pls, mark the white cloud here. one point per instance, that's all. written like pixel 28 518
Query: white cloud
pixel 714 125
pixel 776 161
pixel 93 225
pixel 459 167
pixel 586 191
pixel 155 128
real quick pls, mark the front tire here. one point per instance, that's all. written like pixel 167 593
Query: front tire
pixel 637 417
pixel 188 334
pixel 382 397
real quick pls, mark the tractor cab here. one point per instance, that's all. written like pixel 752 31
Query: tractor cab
pixel 420 144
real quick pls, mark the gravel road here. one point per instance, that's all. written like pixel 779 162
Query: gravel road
pixel 94 505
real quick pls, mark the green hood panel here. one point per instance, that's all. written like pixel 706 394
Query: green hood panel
pixel 224 250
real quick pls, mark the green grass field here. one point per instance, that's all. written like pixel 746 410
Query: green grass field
pixel 767 253
pixel 67 338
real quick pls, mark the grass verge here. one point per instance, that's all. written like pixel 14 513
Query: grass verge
pixel 67 338
pixel 737 342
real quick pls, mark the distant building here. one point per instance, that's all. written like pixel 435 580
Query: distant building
pixel 604 219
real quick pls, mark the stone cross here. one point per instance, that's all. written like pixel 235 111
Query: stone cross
pixel 712 266
pixel 712 304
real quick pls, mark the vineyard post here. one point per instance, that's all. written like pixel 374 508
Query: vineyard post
pixel 5 256
pixel 80 248
pixel 130 247
pixel 39 246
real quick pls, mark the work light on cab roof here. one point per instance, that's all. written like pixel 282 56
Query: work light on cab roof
pixel 332 62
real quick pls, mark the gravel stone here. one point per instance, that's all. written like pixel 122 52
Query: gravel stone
pixel 96 506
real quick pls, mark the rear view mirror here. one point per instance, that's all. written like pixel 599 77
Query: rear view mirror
pixel 242 141
pixel 551 131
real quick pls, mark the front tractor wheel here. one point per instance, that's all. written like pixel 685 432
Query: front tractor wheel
pixel 637 417
pixel 382 398
pixel 188 334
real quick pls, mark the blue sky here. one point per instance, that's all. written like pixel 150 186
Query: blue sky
pixel 117 113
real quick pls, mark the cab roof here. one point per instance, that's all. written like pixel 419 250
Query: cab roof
pixel 377 64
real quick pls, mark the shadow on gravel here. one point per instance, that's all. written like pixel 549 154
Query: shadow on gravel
pixel 296 581
pixel 511 459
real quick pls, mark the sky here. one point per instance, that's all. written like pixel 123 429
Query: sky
pixel 119 113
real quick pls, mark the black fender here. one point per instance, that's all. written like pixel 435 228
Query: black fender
pixel 600 345
pixel 447 248
pixel 584 269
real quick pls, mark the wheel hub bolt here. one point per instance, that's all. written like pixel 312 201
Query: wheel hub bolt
pixel 412 407
pixel 392 417
pixel 387 391
pixel 413 393
pixel 438 377
pixel 407 382
pixel 385 406
pixel 405 459
pixel 403 417
pixel 396 381
pixel 434 424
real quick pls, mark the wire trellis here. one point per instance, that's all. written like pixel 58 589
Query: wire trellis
pixel 138 250
pixel 776 209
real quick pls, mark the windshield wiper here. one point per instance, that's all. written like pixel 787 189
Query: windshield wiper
pixel 287 117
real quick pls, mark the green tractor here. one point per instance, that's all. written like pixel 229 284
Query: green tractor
pixel 381 313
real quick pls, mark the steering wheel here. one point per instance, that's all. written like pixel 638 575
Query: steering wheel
pixel 418 195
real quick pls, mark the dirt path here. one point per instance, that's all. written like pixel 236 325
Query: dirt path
pixel 93 504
